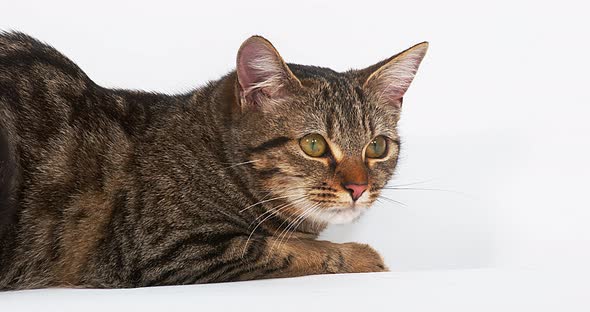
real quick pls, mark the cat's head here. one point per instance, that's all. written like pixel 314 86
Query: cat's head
pixel 321 143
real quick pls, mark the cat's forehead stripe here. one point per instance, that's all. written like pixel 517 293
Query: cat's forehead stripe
pixel 347 117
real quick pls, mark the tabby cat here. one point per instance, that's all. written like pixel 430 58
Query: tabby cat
pixel 232 181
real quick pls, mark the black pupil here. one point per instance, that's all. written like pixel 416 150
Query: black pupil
pixel 314 145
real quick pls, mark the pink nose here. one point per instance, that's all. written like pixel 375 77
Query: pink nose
pixel 356 190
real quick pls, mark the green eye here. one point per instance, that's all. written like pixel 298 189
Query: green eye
pixel 377 148
pixel 313 145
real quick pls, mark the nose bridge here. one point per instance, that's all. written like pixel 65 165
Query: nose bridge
pixel 353 171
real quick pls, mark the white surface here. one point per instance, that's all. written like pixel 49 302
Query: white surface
pixel 456 290
pixel 498 113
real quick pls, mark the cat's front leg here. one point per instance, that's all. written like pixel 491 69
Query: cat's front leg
pixel 308 257
pixel 299 257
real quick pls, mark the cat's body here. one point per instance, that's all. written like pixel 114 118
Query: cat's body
pixel 116 188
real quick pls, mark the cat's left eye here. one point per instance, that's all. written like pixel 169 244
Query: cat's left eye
pixel 376 148
pixel 313 145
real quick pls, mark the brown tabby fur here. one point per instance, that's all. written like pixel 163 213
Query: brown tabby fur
pixel 119 188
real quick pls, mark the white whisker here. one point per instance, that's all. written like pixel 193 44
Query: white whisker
pixel 270 213
pixel 291 225
pixel 241 163
pixel 268 200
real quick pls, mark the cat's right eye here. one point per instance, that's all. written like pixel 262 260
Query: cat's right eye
pixel 377 147
pixel 313 145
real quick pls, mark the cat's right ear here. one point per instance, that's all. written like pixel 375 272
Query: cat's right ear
pixel 390 79
pixel 263 76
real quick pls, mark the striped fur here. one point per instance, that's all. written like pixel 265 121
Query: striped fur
pixel 118 188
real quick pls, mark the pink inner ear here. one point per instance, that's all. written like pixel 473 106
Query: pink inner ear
pixel 397 87
pixel 246 74
pixel 393 79
pixel 257 65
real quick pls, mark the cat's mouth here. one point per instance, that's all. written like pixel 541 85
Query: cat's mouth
pixel 339 214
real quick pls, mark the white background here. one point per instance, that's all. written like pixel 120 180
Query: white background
pixel 497 117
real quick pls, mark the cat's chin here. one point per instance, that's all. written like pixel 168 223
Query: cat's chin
pixel 342 215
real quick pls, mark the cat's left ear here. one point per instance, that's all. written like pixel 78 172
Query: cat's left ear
pixel 263 76
pixel 389 80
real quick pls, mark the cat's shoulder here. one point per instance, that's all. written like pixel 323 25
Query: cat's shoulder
pixel 21 50
pixel 15 41
pixel 14 44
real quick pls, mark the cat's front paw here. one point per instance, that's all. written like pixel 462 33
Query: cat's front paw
pixel 359 258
